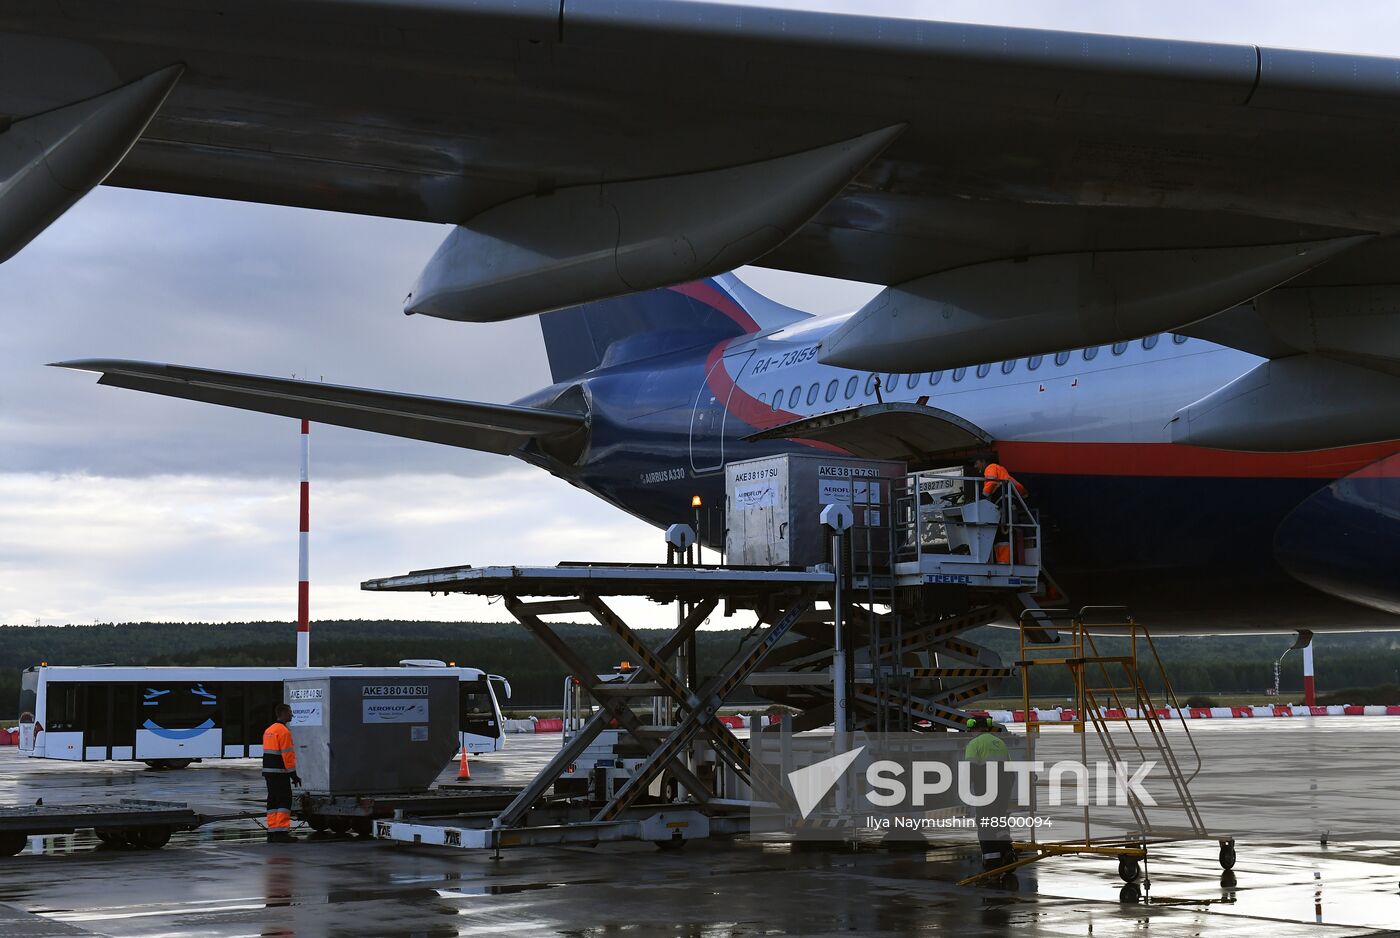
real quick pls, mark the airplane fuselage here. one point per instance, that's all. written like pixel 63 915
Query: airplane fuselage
pixel 1191 538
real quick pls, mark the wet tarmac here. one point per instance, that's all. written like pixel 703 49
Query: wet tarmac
pixel 224 881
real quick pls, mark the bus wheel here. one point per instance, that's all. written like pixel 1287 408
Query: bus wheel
pixel 151 838
pixel 11 843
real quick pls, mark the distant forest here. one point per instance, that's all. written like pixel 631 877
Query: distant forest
pixel 1222 665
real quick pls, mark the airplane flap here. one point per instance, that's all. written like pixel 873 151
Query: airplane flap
pixel 914 433
pixel 495 428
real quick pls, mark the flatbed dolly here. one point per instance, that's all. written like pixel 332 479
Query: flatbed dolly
pixel 341 814
pixel 129 822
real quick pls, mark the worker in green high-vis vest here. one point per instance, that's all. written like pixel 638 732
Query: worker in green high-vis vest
pixel 993 834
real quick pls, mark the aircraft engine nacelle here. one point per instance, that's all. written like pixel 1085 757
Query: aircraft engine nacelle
pixel 1343 538
pixel 51 159
pixel 1303 402
pixel 1035 305
pixel 589 242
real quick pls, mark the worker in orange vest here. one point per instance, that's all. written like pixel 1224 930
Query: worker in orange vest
pixel 995 475
pixel 280 772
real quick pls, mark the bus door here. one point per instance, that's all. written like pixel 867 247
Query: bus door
pixel 97 721
pixel 122 739
pixel 480 725
pixel 28 710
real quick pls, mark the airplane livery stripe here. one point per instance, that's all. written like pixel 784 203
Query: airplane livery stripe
pixel 1172 460
pixel 699 290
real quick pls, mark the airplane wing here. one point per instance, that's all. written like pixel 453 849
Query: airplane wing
pixel 1018 190
pixel 492 428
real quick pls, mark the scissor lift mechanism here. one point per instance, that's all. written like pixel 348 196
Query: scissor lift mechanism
pixel 779 597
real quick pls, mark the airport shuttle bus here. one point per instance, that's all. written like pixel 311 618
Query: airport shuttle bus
pixel 169 717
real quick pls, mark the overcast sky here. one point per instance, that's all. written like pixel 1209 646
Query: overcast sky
pixel 118 506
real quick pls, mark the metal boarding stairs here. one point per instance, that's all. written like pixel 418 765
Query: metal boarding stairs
pixel 927 560
pixel 1111 698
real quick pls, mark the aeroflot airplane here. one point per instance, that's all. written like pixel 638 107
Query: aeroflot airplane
pixel 654 392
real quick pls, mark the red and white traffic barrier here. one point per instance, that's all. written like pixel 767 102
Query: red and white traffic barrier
pixel 1268 711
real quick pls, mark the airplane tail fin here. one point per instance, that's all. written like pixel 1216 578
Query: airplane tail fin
pixel 656 322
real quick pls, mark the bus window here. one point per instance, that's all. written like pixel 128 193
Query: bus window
pixel 62 708
pixel 29 693
pixel 263 697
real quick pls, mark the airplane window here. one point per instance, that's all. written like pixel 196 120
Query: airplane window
pixel 1008 366
pixel 795 396
pixel 870 386
pixel 1091 353
pixel 912 381
pixel 958 373
pixel 851 387
pixel 891 383
pixel 763 398
pixel 1150 341
pixel 934 377
pixel 1179 339
pixel 778 399
pixel 983 370
pixel 1062 358
pixel 1119 348
pixel 1034 361
pixel 831 390
pixel 812 392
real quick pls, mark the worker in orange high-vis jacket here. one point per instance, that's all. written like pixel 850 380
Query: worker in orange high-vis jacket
pixel 280 773
pixel 996 476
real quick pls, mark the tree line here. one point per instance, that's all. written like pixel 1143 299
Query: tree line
pixel 1214 664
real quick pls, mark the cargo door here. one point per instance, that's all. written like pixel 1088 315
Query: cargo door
pixel 711 411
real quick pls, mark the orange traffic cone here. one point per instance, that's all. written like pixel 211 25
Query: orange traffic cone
pixel 464 771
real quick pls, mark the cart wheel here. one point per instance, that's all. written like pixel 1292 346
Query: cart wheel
pixel 103 835
pixel 11 843
pixel 670 790
pixel 178 763
pixel 362 825
pixel 1227 854
pixel 317 822
pixel 150 838
pixel 1130 894
pixel 1129 869
pixel 670 846
pixel 338 825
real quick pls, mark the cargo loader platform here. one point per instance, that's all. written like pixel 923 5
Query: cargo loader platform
pixel 927 557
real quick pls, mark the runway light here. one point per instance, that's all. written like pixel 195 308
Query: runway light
pixel 695 501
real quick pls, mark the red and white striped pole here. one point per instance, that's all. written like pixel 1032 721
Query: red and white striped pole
pixel 1309 688
pixel 303 578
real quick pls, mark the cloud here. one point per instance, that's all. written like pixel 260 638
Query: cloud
pixel 220 548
